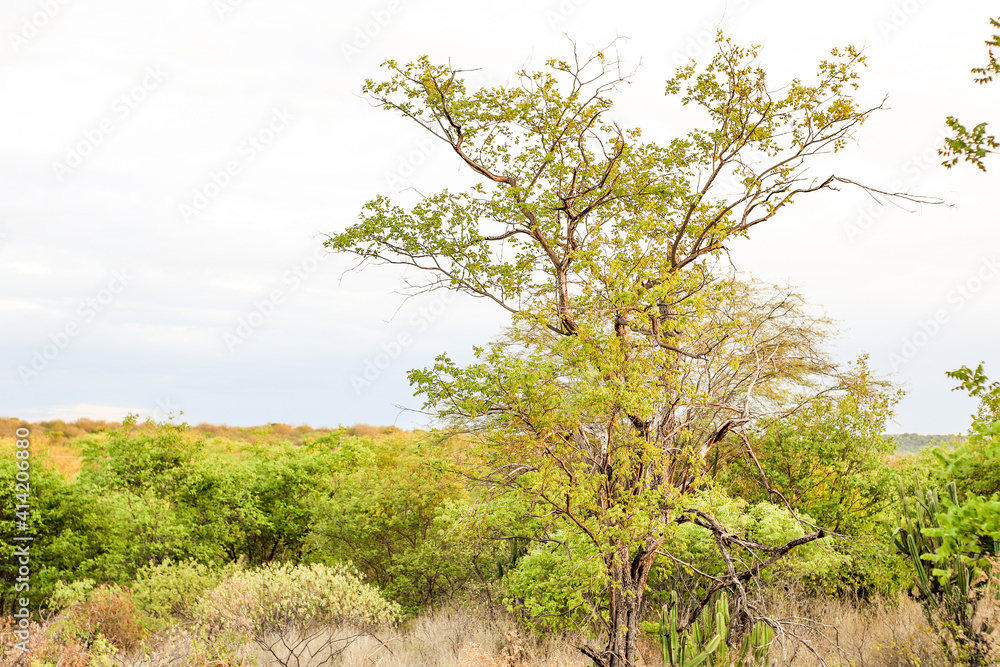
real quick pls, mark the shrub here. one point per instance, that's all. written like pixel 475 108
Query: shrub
pixel 398 514
pixel 279 594
pixel 62 520
pixel 556 585
pixel 107 616
pixel 169 591
pixel 290 611
pixel 68 594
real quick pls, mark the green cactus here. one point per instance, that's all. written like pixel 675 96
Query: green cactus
pixel 950 586
pixel 707 641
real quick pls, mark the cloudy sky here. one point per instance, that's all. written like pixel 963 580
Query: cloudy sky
pixel 168 171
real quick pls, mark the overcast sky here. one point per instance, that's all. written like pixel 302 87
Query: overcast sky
pixel 168 171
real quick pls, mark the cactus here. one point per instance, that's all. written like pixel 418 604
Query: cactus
pixel 948 591
pixel 707 642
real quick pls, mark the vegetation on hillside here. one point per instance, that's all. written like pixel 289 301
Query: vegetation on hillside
pixel 911 443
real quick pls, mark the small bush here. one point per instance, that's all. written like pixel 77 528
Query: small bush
pixel 66 595
pixel 107 615
pixel 277 595
pixel 291 610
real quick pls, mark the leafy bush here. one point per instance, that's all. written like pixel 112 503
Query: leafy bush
pixel 107 615
pixel 169 591
pixel 871 569
pixel 164 495
pixel 760 522
pixel 973 464
pixel 557 584
pixel 62 520
pixel 276 595
pixel 555 590
pixel 292 611
pixel 829 460
pixel 399 516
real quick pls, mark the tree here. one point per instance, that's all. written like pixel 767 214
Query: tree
pixel 974 145
pixel 631 353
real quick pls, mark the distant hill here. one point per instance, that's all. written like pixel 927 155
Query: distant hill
pixel 910 443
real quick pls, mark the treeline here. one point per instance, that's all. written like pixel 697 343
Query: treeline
pixel 110 501
pixel 910 443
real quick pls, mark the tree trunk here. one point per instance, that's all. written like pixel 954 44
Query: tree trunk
pixel 627 577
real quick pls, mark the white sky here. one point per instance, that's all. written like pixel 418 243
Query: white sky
pixel 162 95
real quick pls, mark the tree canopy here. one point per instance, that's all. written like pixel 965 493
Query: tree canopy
pixel 635 359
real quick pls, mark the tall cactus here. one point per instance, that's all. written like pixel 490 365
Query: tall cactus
pixel 707 641
pixel 948 591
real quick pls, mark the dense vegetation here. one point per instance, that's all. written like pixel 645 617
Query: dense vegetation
pixel 140 528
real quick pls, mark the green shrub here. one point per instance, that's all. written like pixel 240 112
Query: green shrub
pixel 169 591
pixel 268 599
pixel 761 522
pixel 398 514
pixel 829 459
pixel 294 611
pixel 63 521
pixel 557 585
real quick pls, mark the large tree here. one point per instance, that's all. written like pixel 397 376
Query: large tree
pixel 632 352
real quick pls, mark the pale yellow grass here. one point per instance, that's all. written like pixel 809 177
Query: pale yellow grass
pixel 56 453
pixel 460 638
pixel 879 634
pixel 842 635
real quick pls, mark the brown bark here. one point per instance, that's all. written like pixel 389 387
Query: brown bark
pixel 628 584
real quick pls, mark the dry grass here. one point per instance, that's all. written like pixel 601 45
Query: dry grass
pixel 58 453
pixel 371 431
pixel 892 634
pixel 460 638
pixel 65 459
pixel 879 634
pixel 450 638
